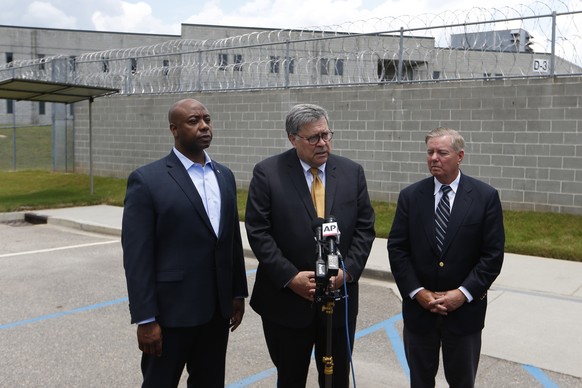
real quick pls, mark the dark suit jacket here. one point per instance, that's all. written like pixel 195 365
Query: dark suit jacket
pixel 279 219
pixel 472 253
pixel 177 269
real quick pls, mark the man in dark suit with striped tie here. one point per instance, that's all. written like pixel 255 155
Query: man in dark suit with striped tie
pixel 444 254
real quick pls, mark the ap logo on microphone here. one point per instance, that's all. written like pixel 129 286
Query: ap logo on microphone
pixel 329 229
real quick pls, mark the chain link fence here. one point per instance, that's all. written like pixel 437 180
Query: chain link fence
pixel 25 148
pixel 479 44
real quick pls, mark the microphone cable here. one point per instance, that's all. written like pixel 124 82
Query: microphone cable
pixel 346 298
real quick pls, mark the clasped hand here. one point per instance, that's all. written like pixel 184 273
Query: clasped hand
pixel 304 284
pixel 441 302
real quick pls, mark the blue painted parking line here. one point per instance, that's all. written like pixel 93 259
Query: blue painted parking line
pixel 62 314
pixel 540 376
pixel 398 348
pixel 73 311
pixel 253 379
pixel 387 325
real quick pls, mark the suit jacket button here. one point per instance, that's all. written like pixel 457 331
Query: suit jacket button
pixel 441 264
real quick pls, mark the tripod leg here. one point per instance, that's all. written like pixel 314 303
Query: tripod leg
pixel 328 358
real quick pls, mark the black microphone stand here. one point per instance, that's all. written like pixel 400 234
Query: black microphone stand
pixel 327 296
pixel 327 359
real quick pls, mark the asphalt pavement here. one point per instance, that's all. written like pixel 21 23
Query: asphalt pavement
pixel 535 306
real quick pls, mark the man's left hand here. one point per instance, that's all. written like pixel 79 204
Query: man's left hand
pixel 238 310
pixel 337 282
pixel 447 302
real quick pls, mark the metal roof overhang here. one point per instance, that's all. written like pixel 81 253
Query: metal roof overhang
pixel 33 90
pixel 20 89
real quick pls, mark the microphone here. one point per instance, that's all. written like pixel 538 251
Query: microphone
pixel 316 224
pixel 320 266
pixel 331 233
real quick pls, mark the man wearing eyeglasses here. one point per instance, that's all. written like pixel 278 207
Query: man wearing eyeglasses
pixel 280 214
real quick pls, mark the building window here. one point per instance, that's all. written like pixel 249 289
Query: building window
pixel 9 107
pixel 166 67
pixel 388 70
pixel 133 65
pixel 324 66
pixel 491 76
pixel 238 61
pixel 339 67
pixel 42 108
pixel 436 74
pixel 105 65
pixel 9 58
pixel 222 61
pixel 73 64
pixel 290 65
pixel 274 64
pixel 41 65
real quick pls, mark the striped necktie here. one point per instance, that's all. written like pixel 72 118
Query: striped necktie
pixel 318 193
pixel 442 215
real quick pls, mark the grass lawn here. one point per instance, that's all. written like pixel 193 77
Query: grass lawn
pixel 27 190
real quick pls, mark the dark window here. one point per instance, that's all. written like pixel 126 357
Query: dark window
pixel 436 74
pixel 339 67
pixel 9 107
pixel 388 70
pixel 324 66
pixel 238 61
pixel 72 64
pixel 9 57
pixel 105 65
pixel 133 65
pixel 274 64
pixel 41 65
pixel 166 66
pixel 291 65
pixel 42 108
pixel 222 61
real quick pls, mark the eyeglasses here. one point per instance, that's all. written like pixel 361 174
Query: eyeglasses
pixel 313 140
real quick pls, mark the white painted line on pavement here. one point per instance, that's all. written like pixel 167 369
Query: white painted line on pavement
pixel 58 249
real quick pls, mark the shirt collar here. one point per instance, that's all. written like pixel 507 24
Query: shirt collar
pixel 454 184
pixel 188 163
pixel 307 167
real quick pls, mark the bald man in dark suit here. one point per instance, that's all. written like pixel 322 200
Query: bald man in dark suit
pixel 183 256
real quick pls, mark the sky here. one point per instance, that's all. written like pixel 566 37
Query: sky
pixel 166 16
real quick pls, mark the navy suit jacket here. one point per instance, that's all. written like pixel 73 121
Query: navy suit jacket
pixel 279 218
pixel 177 269
pixel 472 253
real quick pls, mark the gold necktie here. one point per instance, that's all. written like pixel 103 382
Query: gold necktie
pixel 318 193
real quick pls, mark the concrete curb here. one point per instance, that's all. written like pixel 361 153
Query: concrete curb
pixel 85 226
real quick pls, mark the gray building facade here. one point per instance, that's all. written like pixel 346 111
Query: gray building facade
pixel 524 137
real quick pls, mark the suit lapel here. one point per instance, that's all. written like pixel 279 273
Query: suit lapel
pixel 331 182
pixel 182 179
pixel 225 201
pixel 297 177
pixel 461 206
pixel 426 202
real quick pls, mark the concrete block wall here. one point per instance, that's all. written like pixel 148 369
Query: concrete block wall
pixel 523 137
